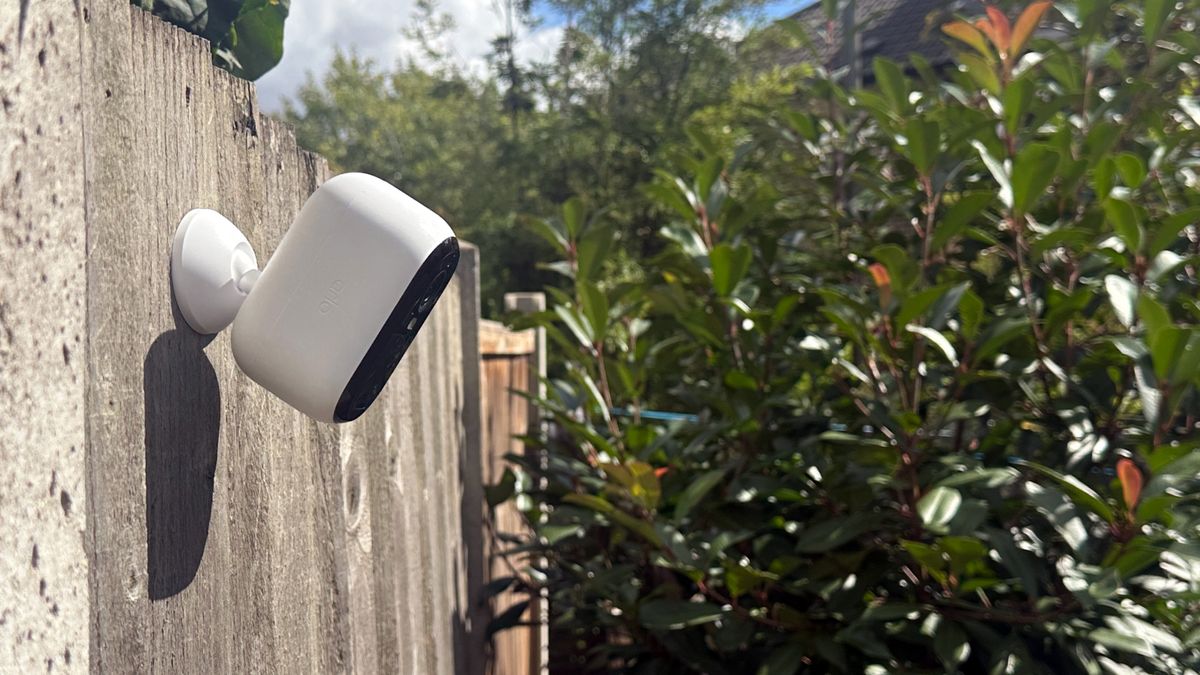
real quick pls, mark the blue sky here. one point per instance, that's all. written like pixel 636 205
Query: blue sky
pixel 374 29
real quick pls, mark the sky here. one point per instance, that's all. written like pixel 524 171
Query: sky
pixel 374 29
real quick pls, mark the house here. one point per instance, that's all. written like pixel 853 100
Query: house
pixel 893 29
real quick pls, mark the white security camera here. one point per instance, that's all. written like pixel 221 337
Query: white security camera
pixel 326 321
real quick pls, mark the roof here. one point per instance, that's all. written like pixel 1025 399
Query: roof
pixel 892 28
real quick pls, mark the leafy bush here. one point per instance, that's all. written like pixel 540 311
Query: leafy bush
pixel 930 350
pixel 246 35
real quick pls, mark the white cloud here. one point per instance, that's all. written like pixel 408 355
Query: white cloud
pixel 375 29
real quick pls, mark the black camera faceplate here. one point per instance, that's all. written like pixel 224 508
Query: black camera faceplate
pixel 398 332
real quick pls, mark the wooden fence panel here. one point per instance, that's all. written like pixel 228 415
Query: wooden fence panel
pixel 513 362
pixel 160 511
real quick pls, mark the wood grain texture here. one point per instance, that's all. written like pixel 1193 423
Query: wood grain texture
pixel 187 521
pixel 43 484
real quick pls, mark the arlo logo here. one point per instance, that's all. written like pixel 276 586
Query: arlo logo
pixel 332 294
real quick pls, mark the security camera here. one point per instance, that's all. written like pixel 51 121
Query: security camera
pixel 327 319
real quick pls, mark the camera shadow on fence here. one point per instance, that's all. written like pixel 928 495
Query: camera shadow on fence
pixel 183 424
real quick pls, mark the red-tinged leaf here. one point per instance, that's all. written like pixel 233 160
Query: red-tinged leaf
pixel 880 274
pixel 1026 24
pixel 1131 482
pixel 884 281
pixel 984 26
pixel 661 471
pixel 1001 28
pixel 965 32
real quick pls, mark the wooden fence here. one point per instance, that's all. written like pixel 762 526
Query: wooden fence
pixel 513 362
pixel 160 512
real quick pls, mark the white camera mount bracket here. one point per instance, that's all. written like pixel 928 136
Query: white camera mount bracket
pixel 213 268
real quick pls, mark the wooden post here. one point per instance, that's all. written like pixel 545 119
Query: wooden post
pixel 531 303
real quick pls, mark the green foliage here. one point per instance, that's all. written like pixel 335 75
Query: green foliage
pixel 935 347
pixel 246 35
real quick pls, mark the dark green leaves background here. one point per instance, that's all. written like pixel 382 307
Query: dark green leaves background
pixel 932 348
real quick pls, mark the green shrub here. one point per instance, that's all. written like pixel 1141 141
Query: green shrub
pixel 934 345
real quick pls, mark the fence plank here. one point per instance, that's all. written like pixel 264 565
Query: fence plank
pixel 43 486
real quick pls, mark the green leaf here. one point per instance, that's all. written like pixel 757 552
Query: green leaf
pixel 578 327
pixel 1124 220
pixel 937 339
pixel 551 232
pixel 729 265
pixel 676 614
pixel 591 252
pixel 938 507
pixel 999 334
pixel 1080 494
pixel 573 216
pixel 835 532
pixel 999 172
pixel 1122 293
pixel 1131 168
pixel 900 265
pixel 1104 176
pixel 970 308
pixel 1017 99
pixel 696 490
pixel 595 308
pixel 736 379
pixel 1168 231
pixel 1154 16
pixel 951 645
pixel 785 660
pixel 1032 173
pixel 1152 315
pixel 556 533
pixel 956 218
pixel 254 42
pixel 923 143
pixel 981 71
pixel 1175 353
pixel 892 83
